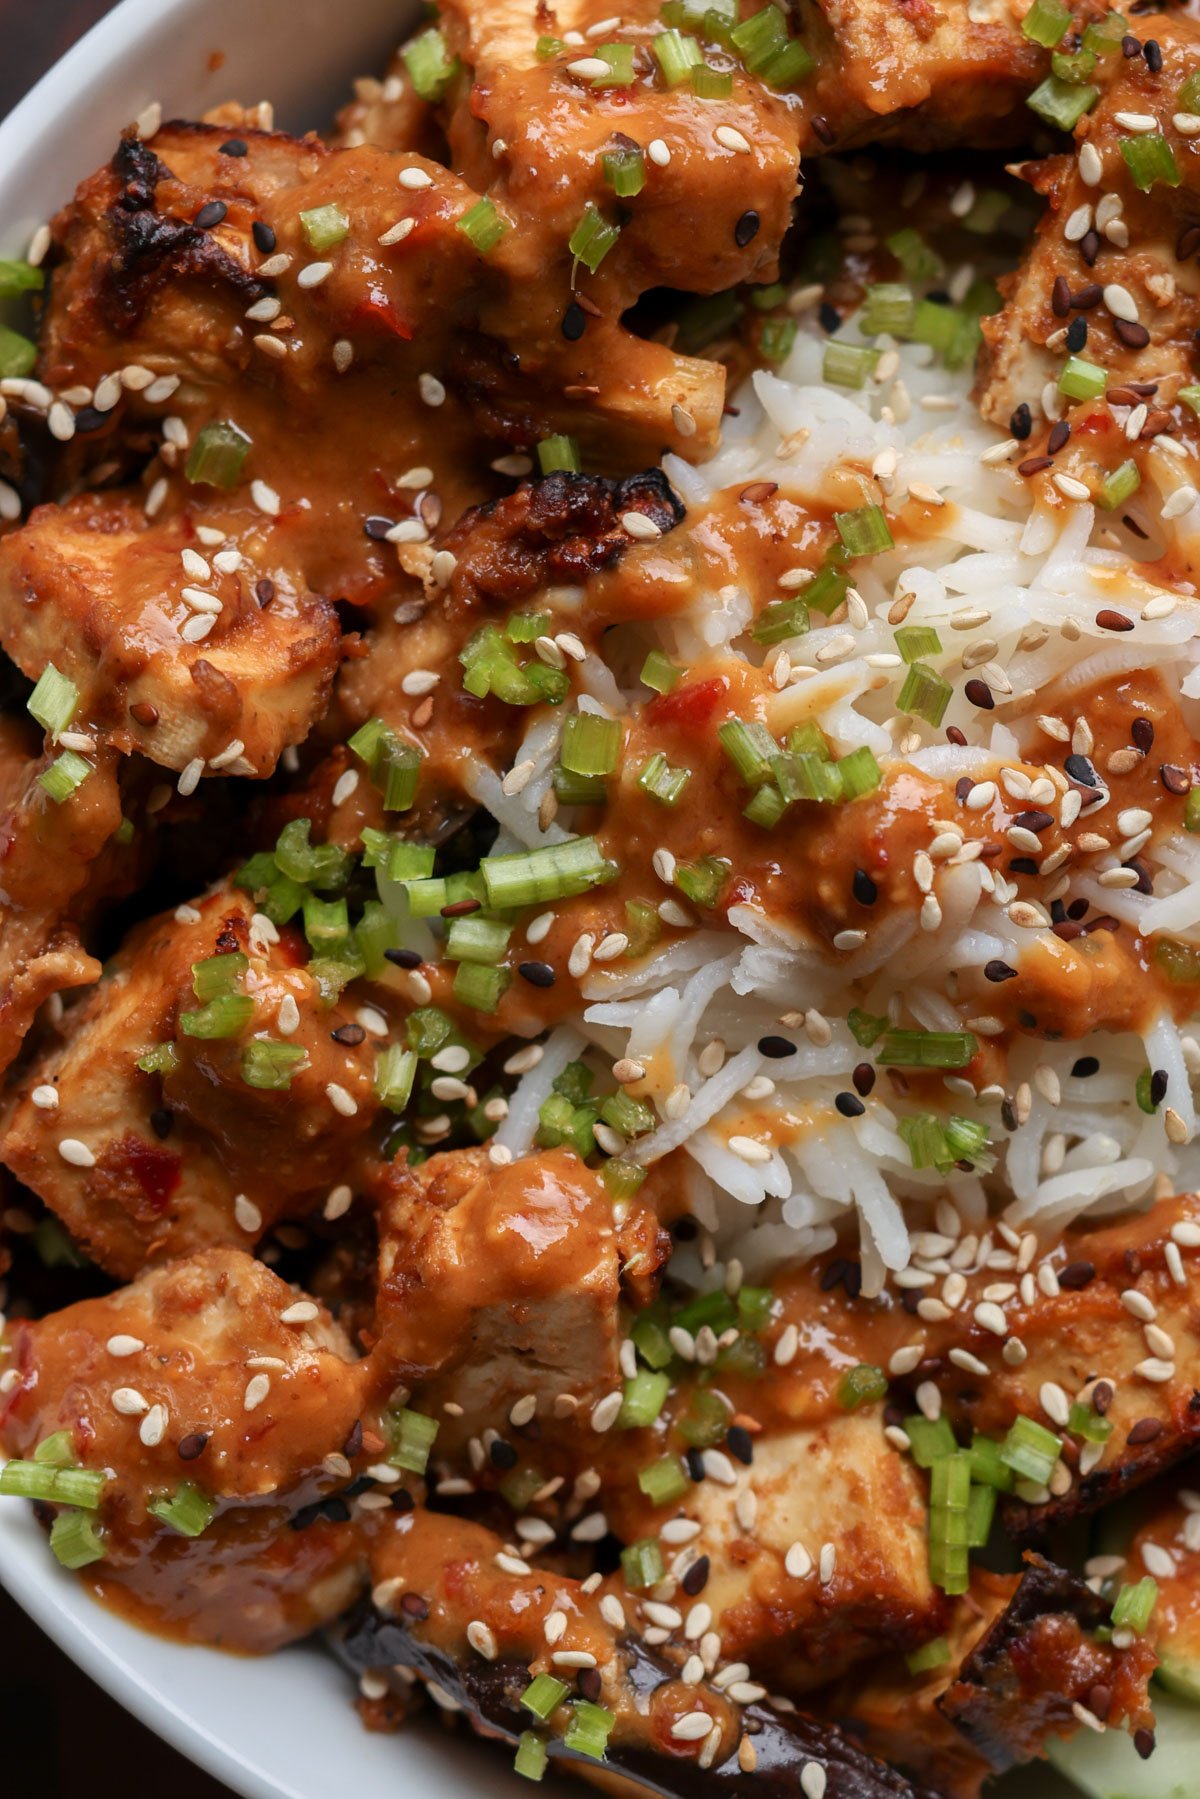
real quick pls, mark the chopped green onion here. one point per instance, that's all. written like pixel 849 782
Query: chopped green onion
pixel 925 1141
pixel 429 1029
pixel 759 38
pixel 661 674
pixel 1030 1450
pixel 848 365
pixel 1078 66
pixel 644 1397
pixel 1084 1421
pixel 1142 1092
pixel 917 641
pixel 531 1756
pixel 544 1695
pixel 630 1116
pixel 527 627
pixel 642 1564
pixel 1082 380
pixel 859 773
pixel 928 1049
pixel 1134 1604
pixel 622 1178
pixel 862 1385
pixel 619 58
pixel 625 172
pixel 754 1308
pixel 925 694
pixel 704 320
pixel 709 83
pixel 56 1450
pixel 665 1481
pixel 579 790
pixel 53 701
pixel 1180 962
pixel 480 988
pixel 1045 22
pixel 548 47
pixel 776 338
pixel 162 1059
pixel 1103 37
pixel 865 1027
pixel 806 775
pixel 987 1467
pixel 767 807
pixel 780 620
pixel 324 226
pixel 74 1540
pixel 1189 92
pixel 701 881
pixel 1191 811
pixel 750 747
pixel 930 1439
pixel 929 1656
pixel 591 744
pixel 321 865
pixel 226 1016
pixel 477 939
pixel 592 238
pixel 217 455
pixel 19 278
pixel 788 65
pixel 412 1436
pixel 706 1419
pixel 589 1729
pixel 482 225
pixel 914 255
pixel 715 1309
pixel 17 355
pixel 676 55
pixel 981 1510
pixel 888 306
pixel 949 1521
pixel 863 531
pixel 430 68
pixel 1062 103
pixel 1119 484
pixel 395 1071
pixel 270 1066
pixel 558 453
pixel 188 1511
pixel 53 1484
pixel 987 209
pixel 965 1140
pixel 663 782
pixel 218 975
pixel 64 775
pixel 537 877
pixel 1150 159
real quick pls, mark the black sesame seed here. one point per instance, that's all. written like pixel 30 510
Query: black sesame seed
pixel 1085 1067
pixel 1158 1086
pixel 354 1442
pixel 1176 780
pixel 1034 821
pixel 1077 908
pixel 1084 298
pixel 264 591
pixel 830 317
pixel 1060 297
pixel 1021 422
pixel 776 1048
pixel 964 787
pixel 852 1280
pixel 980 694
pixel 210 214
pixel 1077 335
pixel 1130 46
pixel 954 735
pixel 192 1446
pixel 746 229
pixel 377 527
pixel 349 1034
pixel 574 322
pixel 995 970
pixel 234 146
pixel 264 237
pixel 1035 465
pixel 1089 247
pixel 849 1105
pixel 162 1122
pixel 413 1605
pixel 1152 50
pixel 503 1455
pixel 740 1444
pixel 864 889
pixel 863 1078
pixel 1077 1275
pixel 1080 769
pixel 1023 865
pixel 89 419
pixel 1059 433
pixel 695 1464
pixel 1142 733
pixel 695 1578
pixel 335 1510
pixel 824 130
pixel 590 1684
pixel 402 1500
pixel 403 958
pixel 1143 1742
pixel 1008 1118
pixel 1131 334
pixel 538 974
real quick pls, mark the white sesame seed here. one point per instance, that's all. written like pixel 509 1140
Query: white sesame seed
pixel 604 1412
pixel 432 391
pixel 340 1099
pixel 636 524
pixel 76 1153
pixel 303 1312
pixel 1155 1370
pixel 659 152
pixel 692 1726
pixel 415 180
pixel 246 1213
pixel 129 1402
pixel 730 138
pixel 812 1780
pixel 798 1562
pixel 153 1426
pixel 257 1388
pixel 122 1345
pixel 612 1611
pixel 45 1097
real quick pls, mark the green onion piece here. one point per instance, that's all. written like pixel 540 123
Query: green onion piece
pixel 928 1049
pixel 430 68
pixel 1103 37
pixel 56 1450
pixel 660 673
pixel 1045 22
pixel 527 627
pixel 1082 380
pixel 936 325
pixel 925 694
pixel 531 1757
pixel 776 338
pixel 1134 1604
pixel 780 620
pixel 709 83
pixel 226 1016
pixel 864 531
pixel 950 1482
pixel 592 238
pixel 1179 961
pixel 642 1564
pixel 270 1066
pixel 321 865
pixel 702 321
pixel 949 1521
pixel 412 1436
pixel 555 453
pixel 859 774
pixel 591 744
pixel 676 55
pixel 324 226
pixel 625 172
pixel 806 775
pixel 644 1398
pixel 17 355
pixel 914 255
pixel 987 209
pixel 1141 1092
pixel 218 975
pixel 45 1481
pixel 987 1467
pixel 395 1071
pixel 619 58
pixel 74 1540
pixel 536 877
pixel 706 1419
pixel 622 1178
pixel 701 881
pixel 429 1029
pixel 64 775
pixel 981 1510
pixel 1189 92
pixel 19 278
pixel 917 641
pixel 1062 103
pixel 544 1695
pixel 589 1729
pixel 750 747
pixel 217 455
pixel 767 807
pixel 1119 484
pixel 663 782
pixel 665 1481
pixel 1084 1421
pixel 548 47
pixel 788 65
pixel 482 225
pixel 754 1308
pixel 848 365
pixel 863 1385
pixel 480 988
pixel 188 1511
pixel 758 38
pixel 965 1140
pixel 1030 1450
pixel 1078 66
pixel 715 1309
pixel 649 1335
pixel 931 1439
pixel 53 701
pixel 579 790
pixel 626 1114
pixel 477 939
pixel 888 306
pixel 925 1141
pixel 929 1656
pixel 1191 811
pixel 162 1059
pixel 865 1027
pixel 1150 159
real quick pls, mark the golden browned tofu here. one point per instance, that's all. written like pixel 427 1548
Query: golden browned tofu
pixel 210 1371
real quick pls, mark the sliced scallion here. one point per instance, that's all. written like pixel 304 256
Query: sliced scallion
pixel 18 356
pixel 1119 485
pixel 928 1049
pixel 888 306
pixel 1062 103
pixel 864 531
pixel 862 1385
pixel 662 781
pixel 776 338
pixel 217 975
pixel 75 1541
pixel 544 1695
pixel 482 225
pixel 913 254
pixel 619 58
pixel 477 939
pixel 589 1729
pixel 591 744
pixel 480 988
pixel 324 227
pixel 531 1757
pixel 750 747
pixel 929 1656
pixel 535 877
pixel 430 68
pixel 558 454
pixel 1150 159
pixel 226 1016
pixel 675 55
pixel 664 1481
pixel 1134 1604
pixel 218 455
pixel 53 701
pixel 625 172
pixel 53 1484
pixel 412 1437
pixel 660 673
pixel 1045 22
pixel 395 1071
pixel 915 642
pixel 64 775
pixel 644 1397
pixel 702 881
pixel 592 238
pixel 1082 380
pixel 859 773
pixel 19 278
pixel 848 365
pixel 642 1564
pixel 271 1066
pixel 1030 1450
pixel 710 84
pixel 188 1510
pixel 925 694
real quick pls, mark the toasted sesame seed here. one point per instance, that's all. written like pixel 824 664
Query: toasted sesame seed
pixel 246 1213
pixel 129 1402
pixel 730 138
pixel 76 1153
pixel 257 1388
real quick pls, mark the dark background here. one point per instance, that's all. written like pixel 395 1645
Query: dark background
pixel 61 1735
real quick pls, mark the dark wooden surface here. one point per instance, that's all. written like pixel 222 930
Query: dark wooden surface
pixel 59 1734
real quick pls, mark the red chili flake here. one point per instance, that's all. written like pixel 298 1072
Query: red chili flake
pixel 691 705
pixel 1108 620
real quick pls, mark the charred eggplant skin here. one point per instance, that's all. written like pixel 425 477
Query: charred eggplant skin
pixel 489 1695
